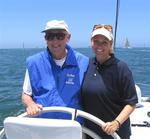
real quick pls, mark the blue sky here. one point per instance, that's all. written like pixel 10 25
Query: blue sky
pixel 21 21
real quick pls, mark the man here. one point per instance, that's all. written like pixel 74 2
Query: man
pixel 53 77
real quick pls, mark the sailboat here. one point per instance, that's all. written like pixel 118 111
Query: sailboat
pixel 26 127
pixel 127 44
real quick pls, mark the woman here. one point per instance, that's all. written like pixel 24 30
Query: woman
pixel 108 89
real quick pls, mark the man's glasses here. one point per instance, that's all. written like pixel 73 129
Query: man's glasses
pixel 108 27
pixel 58 36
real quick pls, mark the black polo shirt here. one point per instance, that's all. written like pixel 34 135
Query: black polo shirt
pixel 106 89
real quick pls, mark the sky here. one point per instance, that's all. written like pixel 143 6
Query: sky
pixel 21 21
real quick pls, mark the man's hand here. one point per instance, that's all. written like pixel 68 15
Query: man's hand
pixel 33 109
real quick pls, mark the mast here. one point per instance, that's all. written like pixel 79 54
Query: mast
pixel 116 22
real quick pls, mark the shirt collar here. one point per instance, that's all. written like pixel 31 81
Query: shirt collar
pixel 70 59
pixel 111 61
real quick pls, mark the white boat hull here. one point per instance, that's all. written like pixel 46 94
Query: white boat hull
pixel 140 120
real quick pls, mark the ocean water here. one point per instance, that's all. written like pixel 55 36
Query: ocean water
pixel 12 69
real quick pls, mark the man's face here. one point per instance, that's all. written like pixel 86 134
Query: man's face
pixel 56 41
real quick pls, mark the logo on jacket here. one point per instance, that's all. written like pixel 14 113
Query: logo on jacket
pixel 70 79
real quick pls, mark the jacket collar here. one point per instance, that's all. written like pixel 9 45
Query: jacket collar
pixel 70 59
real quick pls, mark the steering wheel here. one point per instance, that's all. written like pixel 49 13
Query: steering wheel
pixel 74 114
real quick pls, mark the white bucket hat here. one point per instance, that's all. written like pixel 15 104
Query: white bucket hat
pixel 56 24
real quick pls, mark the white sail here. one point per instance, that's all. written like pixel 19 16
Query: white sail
pixel 127 44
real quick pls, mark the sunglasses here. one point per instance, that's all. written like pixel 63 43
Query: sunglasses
pixel 58 36
pixel 100 43
pixel 108 27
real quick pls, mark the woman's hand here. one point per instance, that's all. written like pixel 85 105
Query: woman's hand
pixel 111 127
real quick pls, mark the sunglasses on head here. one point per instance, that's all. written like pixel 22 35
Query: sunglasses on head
pixel 108 27
pixel 58 36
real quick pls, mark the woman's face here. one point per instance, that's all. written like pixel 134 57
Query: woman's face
pixel 101 47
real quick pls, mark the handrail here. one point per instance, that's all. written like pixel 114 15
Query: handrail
pixel 144 84
pixel 2 133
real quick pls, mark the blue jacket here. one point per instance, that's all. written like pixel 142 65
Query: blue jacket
pixel 53 85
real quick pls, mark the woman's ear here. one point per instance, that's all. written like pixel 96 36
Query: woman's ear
pixel 111 48
pixel 92 43
pixel 111 42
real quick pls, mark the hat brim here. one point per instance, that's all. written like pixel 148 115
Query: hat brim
pixel 54 29
pixel 103 32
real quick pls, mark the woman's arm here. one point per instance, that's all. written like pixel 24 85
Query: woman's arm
pixel 114 125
